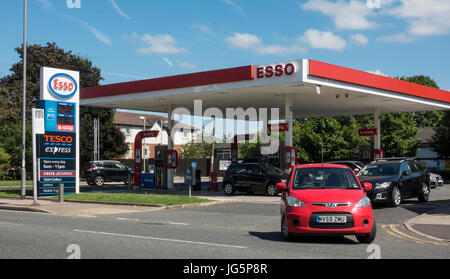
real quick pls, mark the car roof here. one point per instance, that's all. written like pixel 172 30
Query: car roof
pixel 320 165
pixel 387 162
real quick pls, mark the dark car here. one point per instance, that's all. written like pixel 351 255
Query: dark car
pixel 356 166
pixel 396 180
pixel 99 172
pixel 252 177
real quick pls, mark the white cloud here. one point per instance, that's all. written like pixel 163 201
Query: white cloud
pixel 160 44
pixel 168 61
pixel 252 42
pixel 203 28
pixel 323 40
pixel 377 72
pixel 188 65
pixel 47 5
pixel 347 15
pixel 430 17
pixel 235 6
pixel 119 10
pixel 359 39
pixel 398 38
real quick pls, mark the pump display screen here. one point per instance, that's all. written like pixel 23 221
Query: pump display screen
pixel 64 109
pixel 65 120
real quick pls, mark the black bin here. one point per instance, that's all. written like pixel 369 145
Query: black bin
pixel 198 180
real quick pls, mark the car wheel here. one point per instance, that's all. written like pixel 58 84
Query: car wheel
pixel 272 190
pixel 425 194
pixel 228 189
pixel 396 196
pixel 370 237
pixel 99 180
pixel 285 234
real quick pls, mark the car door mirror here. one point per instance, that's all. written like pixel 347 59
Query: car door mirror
pixel 405 173
pixel 367 186
pixel 281 186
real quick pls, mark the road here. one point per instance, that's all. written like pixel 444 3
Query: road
pixel 244 230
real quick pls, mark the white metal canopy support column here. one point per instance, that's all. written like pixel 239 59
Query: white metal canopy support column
pixel 377 125
pixel 170 172
pixel 288 115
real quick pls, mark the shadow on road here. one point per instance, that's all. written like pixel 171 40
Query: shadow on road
pixel 312 239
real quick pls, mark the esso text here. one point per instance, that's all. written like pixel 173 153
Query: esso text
pixel 275 70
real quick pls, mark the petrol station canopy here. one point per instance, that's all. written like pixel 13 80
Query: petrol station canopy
pixel 316 88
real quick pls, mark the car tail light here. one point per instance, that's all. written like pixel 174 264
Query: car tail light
pixel 90 169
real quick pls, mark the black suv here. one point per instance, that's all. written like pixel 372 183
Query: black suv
pixel 252 177
pixel 99 172
pixel 396 180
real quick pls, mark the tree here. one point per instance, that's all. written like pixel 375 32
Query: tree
pixel 50 55
pixel 4 161
pixel 194 150
pixel 338 141
pixel 398 131
pixel 441 138
pixel 425 118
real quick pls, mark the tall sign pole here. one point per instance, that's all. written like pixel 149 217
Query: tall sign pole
pixel 24 119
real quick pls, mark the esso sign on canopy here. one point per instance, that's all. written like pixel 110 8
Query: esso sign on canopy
pixel 278 70
pixel 62 85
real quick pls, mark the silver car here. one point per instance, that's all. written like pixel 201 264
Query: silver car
pixel 435 180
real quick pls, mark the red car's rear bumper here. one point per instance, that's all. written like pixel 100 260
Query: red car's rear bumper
pixel 302 220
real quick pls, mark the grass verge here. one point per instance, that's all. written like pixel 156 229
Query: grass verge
pixel 6 183
pixel 120 198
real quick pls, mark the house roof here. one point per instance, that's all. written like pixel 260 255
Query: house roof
pixel 132 119
pixel 426 135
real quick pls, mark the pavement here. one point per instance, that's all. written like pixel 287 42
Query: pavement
pixel 434 224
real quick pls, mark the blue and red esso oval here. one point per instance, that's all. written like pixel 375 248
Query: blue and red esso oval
pixel 63 85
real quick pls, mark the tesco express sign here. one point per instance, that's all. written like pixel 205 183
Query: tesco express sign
pixel 278 70
pixel 62 85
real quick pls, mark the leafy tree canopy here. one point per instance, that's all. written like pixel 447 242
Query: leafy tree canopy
pixel 50 55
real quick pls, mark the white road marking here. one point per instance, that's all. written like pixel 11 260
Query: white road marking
pixel 178 224
pixel 11 224
pixel 87 216
pixel 161 239
pixel 127 219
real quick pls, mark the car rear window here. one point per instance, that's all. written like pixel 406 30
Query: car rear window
pixel 381 169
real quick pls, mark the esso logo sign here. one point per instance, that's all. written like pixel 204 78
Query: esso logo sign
pixel 275 71
pixel 62 85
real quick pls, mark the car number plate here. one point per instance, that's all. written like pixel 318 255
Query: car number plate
pixel 331 219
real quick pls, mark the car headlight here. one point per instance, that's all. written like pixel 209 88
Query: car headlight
pixel 383 185
pixel 364 202
pixel 294 202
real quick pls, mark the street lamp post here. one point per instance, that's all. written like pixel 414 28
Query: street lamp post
pixel 23 186
pixel 143 141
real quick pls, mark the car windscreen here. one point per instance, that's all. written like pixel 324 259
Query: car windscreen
pixel 274 170
pixel 324 178
pixel 384 169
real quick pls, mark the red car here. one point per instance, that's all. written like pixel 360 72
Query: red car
pixel 326 199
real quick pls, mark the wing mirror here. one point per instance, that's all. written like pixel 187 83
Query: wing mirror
pixel 405 173
pixel 367 186
pixel 281 186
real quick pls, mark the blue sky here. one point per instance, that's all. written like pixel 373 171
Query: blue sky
pixel 138 39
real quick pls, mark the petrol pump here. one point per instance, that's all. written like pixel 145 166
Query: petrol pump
pixel 378 154
pixel 164 159
pixel 291 156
